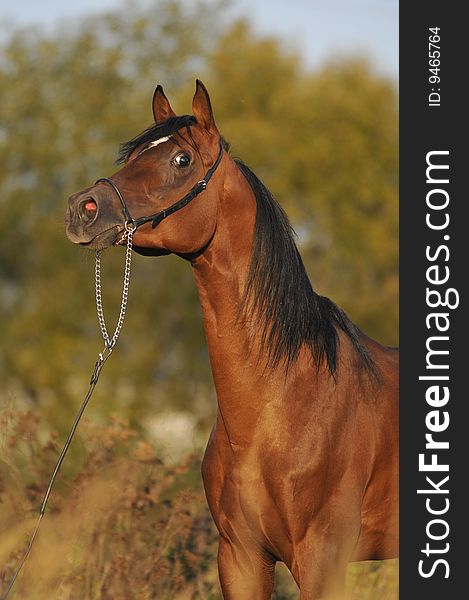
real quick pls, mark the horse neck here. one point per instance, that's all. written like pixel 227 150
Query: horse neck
pixel 241 380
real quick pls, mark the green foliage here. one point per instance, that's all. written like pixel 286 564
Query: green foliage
pixel 325 143
pixel 65 109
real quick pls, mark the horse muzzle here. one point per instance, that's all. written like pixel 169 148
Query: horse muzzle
pixel 92 220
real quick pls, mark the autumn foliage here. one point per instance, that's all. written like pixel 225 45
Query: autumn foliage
pixel 128 518
pixel 121 524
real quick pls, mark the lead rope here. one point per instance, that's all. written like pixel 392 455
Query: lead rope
pixel 109 343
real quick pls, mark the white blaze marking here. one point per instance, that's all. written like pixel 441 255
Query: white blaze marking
pixel 153 144
pixel 156 142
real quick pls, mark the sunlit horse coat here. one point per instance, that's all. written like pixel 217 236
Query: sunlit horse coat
pixel 301 465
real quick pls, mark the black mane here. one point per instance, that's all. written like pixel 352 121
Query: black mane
pixel 279 297
pixel 153 133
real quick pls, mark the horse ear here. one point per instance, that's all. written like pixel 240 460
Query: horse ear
pixel 202 108
pixel 161 107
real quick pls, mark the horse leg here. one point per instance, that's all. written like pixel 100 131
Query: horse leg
pixel 246 573
pixel 320 563
pixel 321 580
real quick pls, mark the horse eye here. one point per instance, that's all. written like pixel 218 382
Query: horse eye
pixel 182 160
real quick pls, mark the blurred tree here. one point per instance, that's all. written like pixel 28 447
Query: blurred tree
pixel 325 143
pixel 65 108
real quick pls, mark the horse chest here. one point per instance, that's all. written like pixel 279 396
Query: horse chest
pixel 245 502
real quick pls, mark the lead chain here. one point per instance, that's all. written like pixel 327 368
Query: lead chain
pixel 110 342
pixel 102 358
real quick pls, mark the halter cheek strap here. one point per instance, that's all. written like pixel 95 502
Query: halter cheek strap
pixel 156 218
pixel 127 214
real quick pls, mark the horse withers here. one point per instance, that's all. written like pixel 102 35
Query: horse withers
pixel 302 462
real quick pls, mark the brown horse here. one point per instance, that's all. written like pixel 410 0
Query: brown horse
pixel 302 463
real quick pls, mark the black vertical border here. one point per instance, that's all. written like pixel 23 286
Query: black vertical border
pixel 423 129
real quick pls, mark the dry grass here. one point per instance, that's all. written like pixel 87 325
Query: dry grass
pixel 120 524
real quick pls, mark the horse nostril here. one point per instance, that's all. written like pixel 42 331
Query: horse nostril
pixel 89 208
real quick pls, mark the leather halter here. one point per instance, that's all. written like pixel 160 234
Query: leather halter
pixel 156 218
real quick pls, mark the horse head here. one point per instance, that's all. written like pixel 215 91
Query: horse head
pixel 164 169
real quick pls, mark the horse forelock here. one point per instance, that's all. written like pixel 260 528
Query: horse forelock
pixel 154 133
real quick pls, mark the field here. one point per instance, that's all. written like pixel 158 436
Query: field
pixel 121 524
pixel 128 519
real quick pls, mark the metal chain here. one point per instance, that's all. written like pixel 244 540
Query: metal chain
pixel 102 358
pixel 110 342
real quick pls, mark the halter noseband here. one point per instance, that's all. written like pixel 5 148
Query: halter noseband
pixel 156 218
